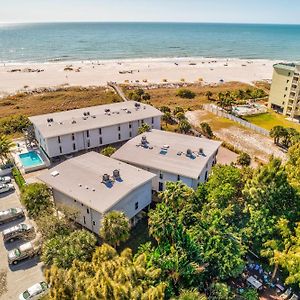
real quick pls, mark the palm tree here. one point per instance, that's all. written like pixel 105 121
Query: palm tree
pixel 184 126
pixel 208 94
pixel 108 151
pixel 167 117
pixel 144 128
pixel 5 147
pixel 277 132
pixel 115 228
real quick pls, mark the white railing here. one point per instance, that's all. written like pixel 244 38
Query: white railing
pixel 221 113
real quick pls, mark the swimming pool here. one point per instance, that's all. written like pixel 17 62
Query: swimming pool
pixel 30 159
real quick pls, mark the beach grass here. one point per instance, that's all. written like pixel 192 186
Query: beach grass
pixel 54 101
pixel 271 119
pixel 165 96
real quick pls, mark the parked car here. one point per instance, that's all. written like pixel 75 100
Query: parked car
pixel 6 187
pixel 10 215
pixel 35 291
pixel 5 179
pixel 20 231
pixel 22 252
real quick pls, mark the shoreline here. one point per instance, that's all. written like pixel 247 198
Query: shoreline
pixel 28 76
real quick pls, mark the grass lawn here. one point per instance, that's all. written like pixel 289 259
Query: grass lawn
pixel 271 119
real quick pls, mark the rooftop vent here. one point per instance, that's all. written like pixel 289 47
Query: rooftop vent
pixel 137 105
pixel 61 123
pixel 50 120
pixel 73 122
pixel 80 185
pixel 116 174
pixel 107 110
pixel 201 152
pixel 93 116
pixel 85 118
pixel 86 113
pixel 128 111
pixel 54 173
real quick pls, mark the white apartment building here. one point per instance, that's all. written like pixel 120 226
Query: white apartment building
pixel 94 184
pixel 171 156
pixel 87 128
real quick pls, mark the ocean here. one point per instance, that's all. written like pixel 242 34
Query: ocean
pixel 49 42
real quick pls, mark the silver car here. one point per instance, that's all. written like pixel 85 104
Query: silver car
pixel 35 291
pixel 10 215
pixel 21 253
pixel 5 179
pixel 20 231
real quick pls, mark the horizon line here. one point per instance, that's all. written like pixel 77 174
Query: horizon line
pixel 148 22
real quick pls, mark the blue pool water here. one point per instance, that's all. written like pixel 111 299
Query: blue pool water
pixel 30 159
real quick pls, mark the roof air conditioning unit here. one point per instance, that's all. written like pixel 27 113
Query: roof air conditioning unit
pixel 201 151
pixel 189 152
pixel 116 174
pixel 105 178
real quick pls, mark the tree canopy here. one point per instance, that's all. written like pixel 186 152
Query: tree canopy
pixel 36 197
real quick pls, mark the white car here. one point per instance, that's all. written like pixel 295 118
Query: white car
pixel 6 187
pixel 5 179
pixel 35 291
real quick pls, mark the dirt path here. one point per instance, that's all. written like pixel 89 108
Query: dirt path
pixel 242 138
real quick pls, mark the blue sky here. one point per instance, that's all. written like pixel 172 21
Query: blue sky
pixel 229 11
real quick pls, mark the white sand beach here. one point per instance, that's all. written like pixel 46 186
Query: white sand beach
pixel 14 77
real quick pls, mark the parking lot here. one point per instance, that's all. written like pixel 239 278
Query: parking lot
pixel 15 279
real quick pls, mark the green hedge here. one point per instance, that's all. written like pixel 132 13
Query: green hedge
pixel 20 181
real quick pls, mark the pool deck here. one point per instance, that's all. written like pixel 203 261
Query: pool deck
pixel 21 148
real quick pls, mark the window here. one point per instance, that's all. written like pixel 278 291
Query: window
pixel 87 133
pixel 60 149
pixel 84 220
pixel 130 126
pixel 287 81
pixel 119 128
pixel 74 147
pixel 94 223
pixel 136 205
pixel 58 138
pixel 100 131
pixel 119 136
pixel 289 74
pixel 73 136
pixel 143 122
pixel 88 143
pixel 206 175
pixel 286 88
pixel 160 186
pixel 130 134
pixel 75 200
pixel 152 121
pixel 100 140
pixel 178 177
pixel 87 211
pixel 161 175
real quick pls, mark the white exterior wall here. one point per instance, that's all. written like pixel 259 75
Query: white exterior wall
pixel 108 134
pixel 91 219
pixel 167 176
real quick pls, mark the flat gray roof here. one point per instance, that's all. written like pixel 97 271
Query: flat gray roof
pixel 66 122
pixel 80 178
pixel 286 66
pixel 174 160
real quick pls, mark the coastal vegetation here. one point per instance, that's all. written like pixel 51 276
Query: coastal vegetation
pixel 199 241
pixel 36 197
pixel 108 151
